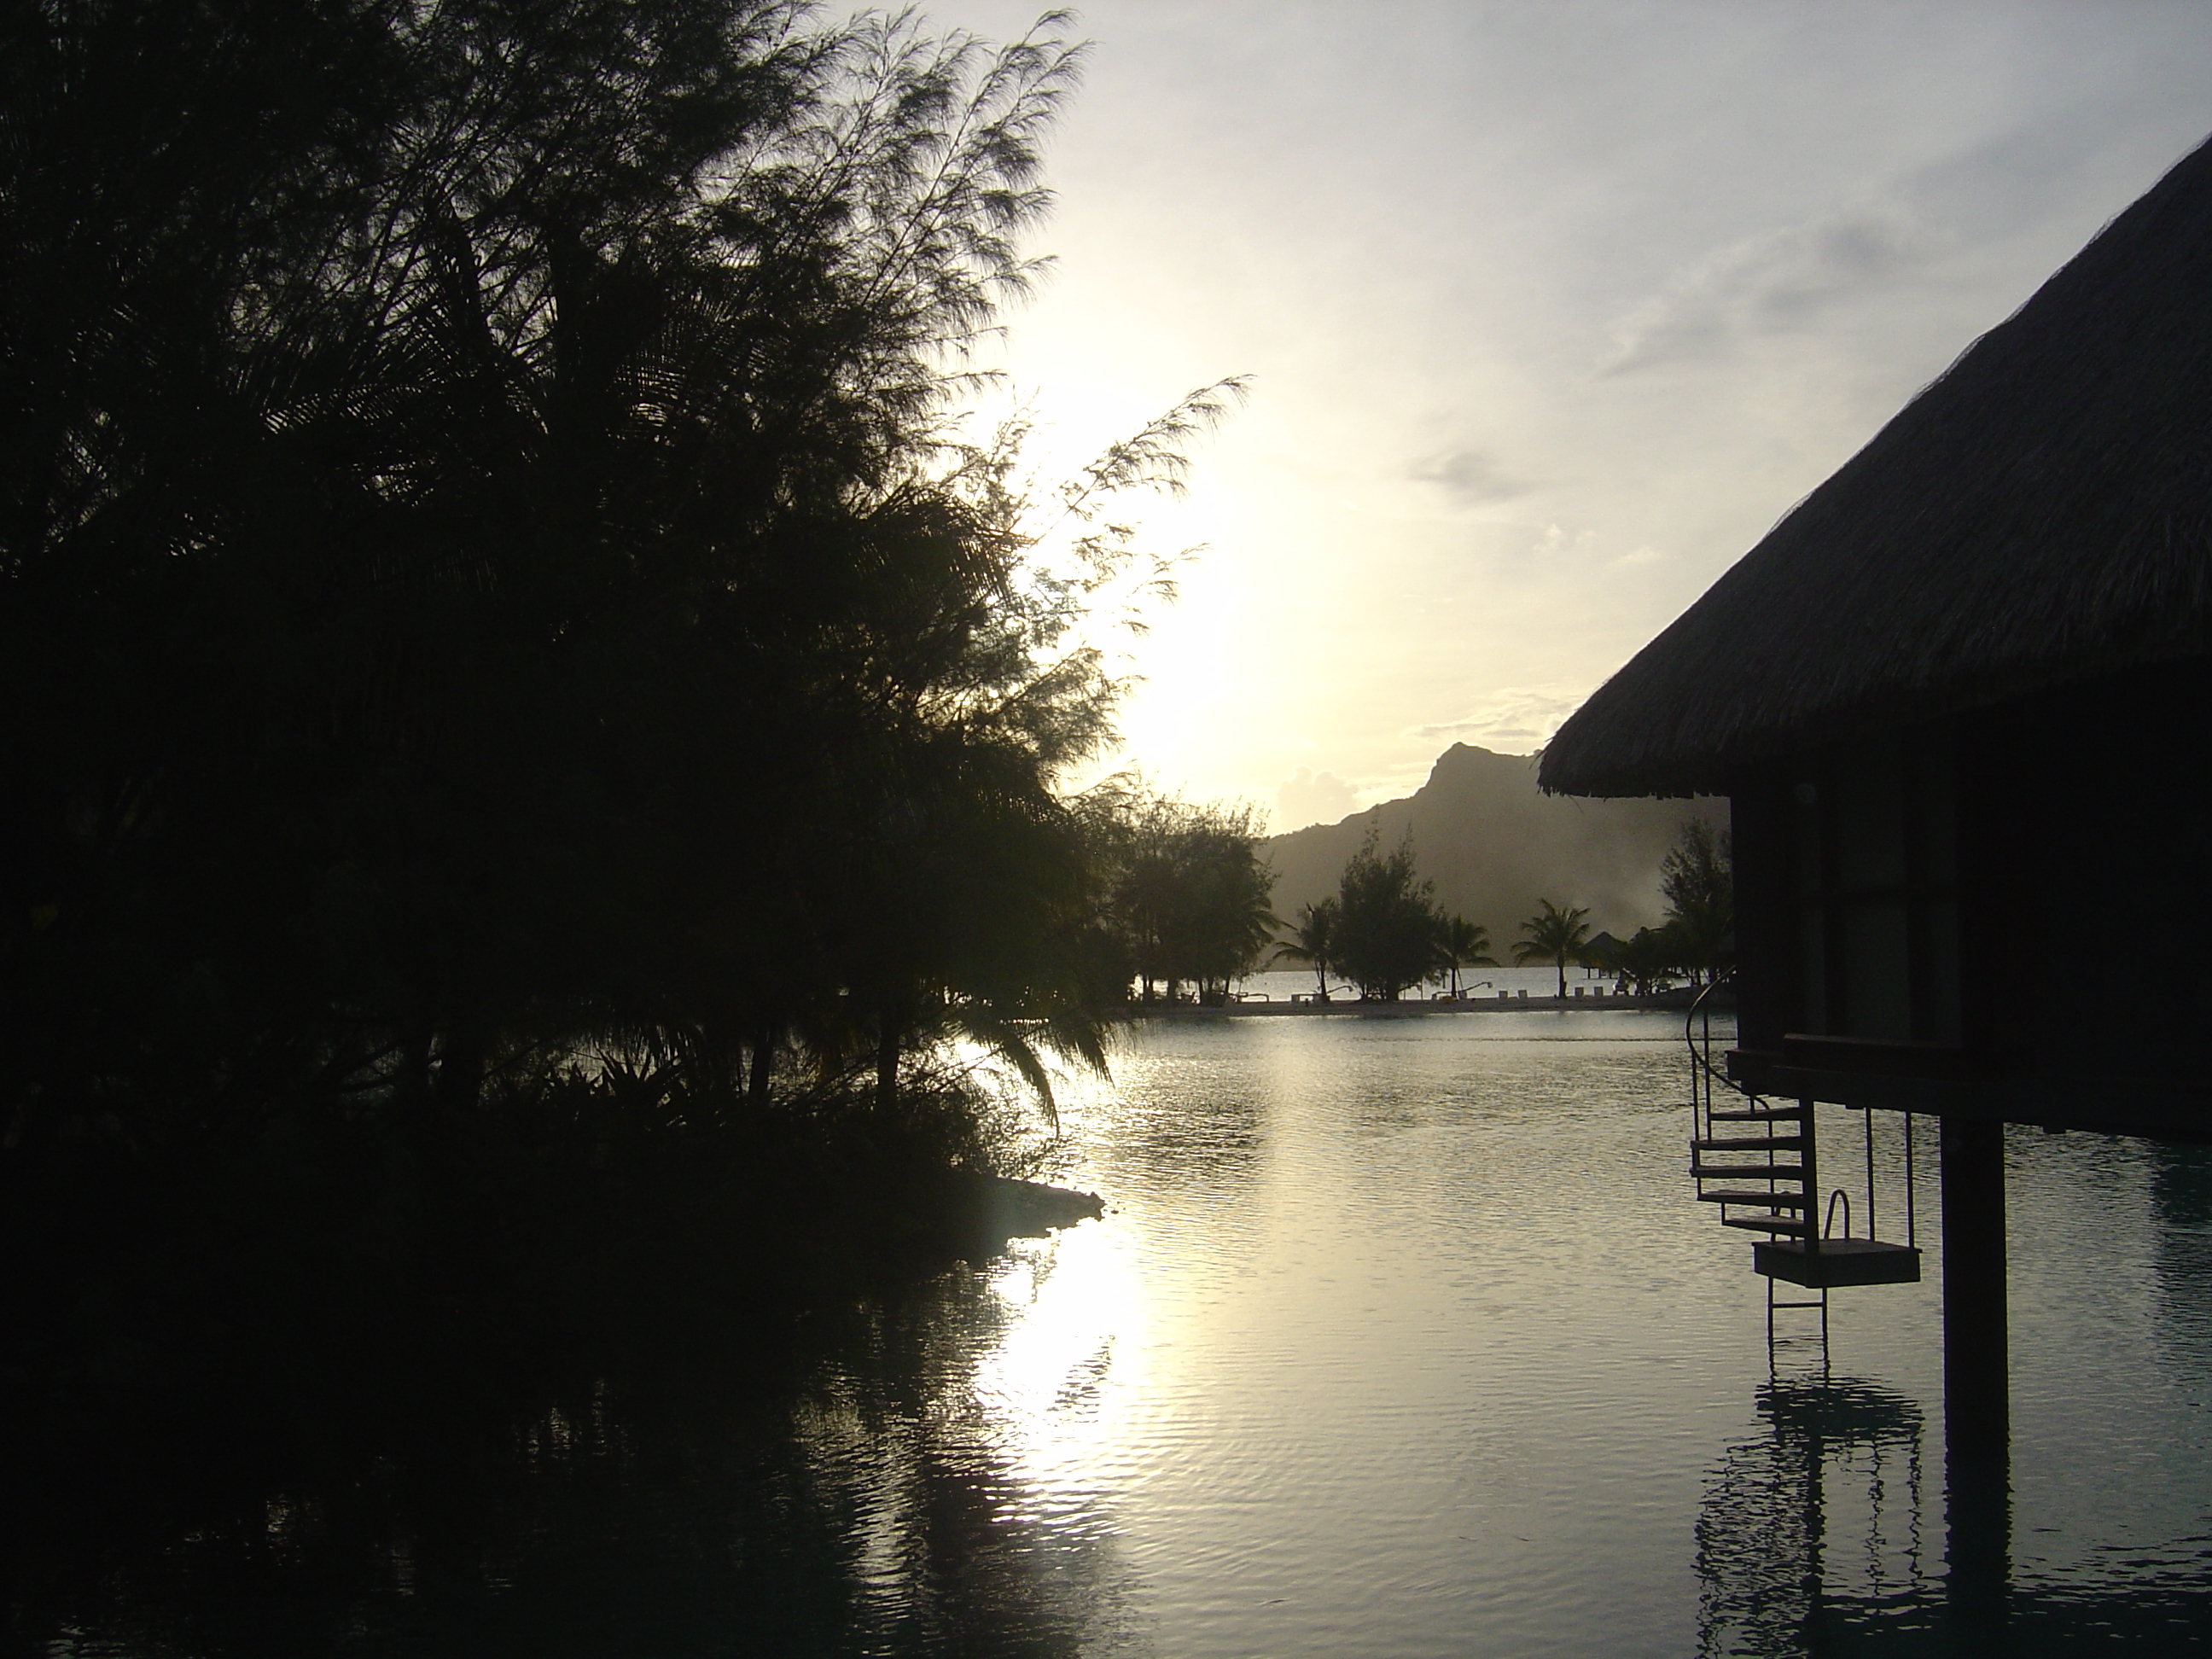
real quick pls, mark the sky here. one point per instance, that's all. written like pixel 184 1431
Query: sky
pixel 1550 309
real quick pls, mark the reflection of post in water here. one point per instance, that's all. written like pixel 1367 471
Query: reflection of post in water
pixel 1808 1519
pixel 2181 1190
pixel 1977 1542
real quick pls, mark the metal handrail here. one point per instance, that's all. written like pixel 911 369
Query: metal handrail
pixel 1828 1225
pixel 1699 1040
pixel 1690 1033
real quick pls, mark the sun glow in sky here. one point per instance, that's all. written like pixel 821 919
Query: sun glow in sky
pixel 1551 310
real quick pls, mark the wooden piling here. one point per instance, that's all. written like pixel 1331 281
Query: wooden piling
pixel 1976 1373
pixel 1977 1417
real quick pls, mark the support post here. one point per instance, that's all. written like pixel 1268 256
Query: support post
pixel 1810 1157
pixel 1976 1381
pixel 1976 1423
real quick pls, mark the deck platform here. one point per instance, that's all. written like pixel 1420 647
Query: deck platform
pixel 1838 1262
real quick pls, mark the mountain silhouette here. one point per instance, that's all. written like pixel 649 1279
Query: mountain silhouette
pixel 1493 844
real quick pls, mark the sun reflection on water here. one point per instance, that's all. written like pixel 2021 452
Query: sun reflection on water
pixel 1069 1356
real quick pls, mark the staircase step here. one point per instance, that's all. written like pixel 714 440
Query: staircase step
pixel 1759 1114
pixel 1748 1171
pixel 1771 1200
pixel 1796 1225
pixel 1772 1144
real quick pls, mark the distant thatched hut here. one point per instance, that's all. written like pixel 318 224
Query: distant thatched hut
pixel 1959 700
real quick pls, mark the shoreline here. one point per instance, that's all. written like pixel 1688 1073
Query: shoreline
pixel 1665 1002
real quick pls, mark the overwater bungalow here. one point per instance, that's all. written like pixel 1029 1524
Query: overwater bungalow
pixel 1957 700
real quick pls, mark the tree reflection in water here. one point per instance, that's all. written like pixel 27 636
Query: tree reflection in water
pixel 858 1506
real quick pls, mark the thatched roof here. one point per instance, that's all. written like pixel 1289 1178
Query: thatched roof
pixel 2041 513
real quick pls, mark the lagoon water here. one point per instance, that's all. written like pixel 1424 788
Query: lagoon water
pixel 1401 1337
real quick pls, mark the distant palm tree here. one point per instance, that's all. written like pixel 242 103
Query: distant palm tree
pixel 1316 942
pixel 1555 937
pixel 1463 943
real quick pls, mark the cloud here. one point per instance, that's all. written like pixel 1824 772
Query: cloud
pixel 1517 719
pixel 1787 278
pixel 1774 282
pixel 1306 796
pixel 1470 477
pixel 1642 555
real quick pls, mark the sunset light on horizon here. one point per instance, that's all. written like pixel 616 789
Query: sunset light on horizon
pixel 1550 312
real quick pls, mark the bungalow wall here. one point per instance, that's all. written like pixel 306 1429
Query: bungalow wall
pixel 2002 913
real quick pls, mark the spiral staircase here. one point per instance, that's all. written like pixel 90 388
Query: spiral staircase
pixel 1758 1161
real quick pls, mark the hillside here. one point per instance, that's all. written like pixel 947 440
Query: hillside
pixel 1493 844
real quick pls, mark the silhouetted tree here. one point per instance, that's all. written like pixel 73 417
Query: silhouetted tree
pixel 1386 925
pixel 481 567
pixel 1462 944
pixel 1552 935
pixel 1315 942
pixel 1696 879
pixel 1644 958
pixel 1189 891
